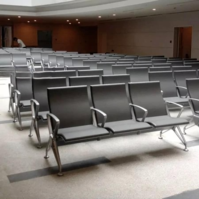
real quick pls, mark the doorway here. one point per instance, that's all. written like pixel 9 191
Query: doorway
pixel 44 39
pixel 182 42
pixel 5 36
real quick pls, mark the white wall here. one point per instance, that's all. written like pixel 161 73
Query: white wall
pixel 148 35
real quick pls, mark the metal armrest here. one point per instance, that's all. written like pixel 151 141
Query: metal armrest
pixel 94 110
pixel 17 97
pixel 143 109
pixel 52 131
pixel 181 87
pixel 11 89
pixel 34 108
pixel 191 105
pixel 180 106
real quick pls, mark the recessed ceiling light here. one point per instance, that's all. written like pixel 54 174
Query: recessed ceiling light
pixel 8 19
pixel 154 9
pixel 79 22
pixel 35 20
pixel 28 21
pixel 70 23
pixel 100 17
pixel 67 20
pixel 19 16
pixel 77 19
pixel 114 15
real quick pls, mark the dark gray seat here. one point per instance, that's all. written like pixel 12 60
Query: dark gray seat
pixel 36 59
pixel 149 96
pixel 22 96
pixel 159 60
pixel 54 69
pixel 39 103
pixel 60 61
pixel 91 63
pixel 78 61
pixel 84 80
pixel 52 61
pixel 154 69
pixel 106 67
pixel 138 74
pixel 20 62
pixel 70 120
pixel 65 74
pixel 192 88
pixel 168 87
pixel 113 101
pixel 176 62
pixel 68 61
pixel 92 72
pixel 162 65
pixel 76 68
pixel 182 68
pixel 180 79
pixel 142 65
pixel 124 63
pixel 115 79
pixel 120 69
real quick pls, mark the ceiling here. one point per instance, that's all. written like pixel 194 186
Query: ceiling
pixel 89 10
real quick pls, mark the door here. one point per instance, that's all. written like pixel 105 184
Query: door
pixel 183 42
pixel 5 36
pixel 44 39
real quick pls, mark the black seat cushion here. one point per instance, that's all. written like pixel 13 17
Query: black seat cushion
pixel 164 121
pixel 82 132
pixel 126 126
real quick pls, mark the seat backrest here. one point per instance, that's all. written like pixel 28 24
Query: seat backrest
pixel 153 69
pixel 52 60
pixel 19 59
pixel 119 69
pixel 36 56
pixel 91 63
pixel 192 88
pixel 70 105
pixel 54 69
pixel 60 61
pixel 44 56
pixel 149 96
pixel 111 99
pixel 109 60
pixel 84 80
pixel 176 63
pixel 68 61
pixel 167 83
pixel 106 67
pixel 24 86
pixel 115 79
pixel 180 79
pixel 126 60
pixel 142 65
pixel 78 61
pixel 138 74
pixel 5 59
pixel 163 60
pixel 182 68
pixel 42 74
pixel 124 63
pixel 90 72
pixel 39 88
pixel 76 68
pixel 162 65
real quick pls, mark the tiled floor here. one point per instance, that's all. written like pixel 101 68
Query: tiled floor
pixel 128 167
